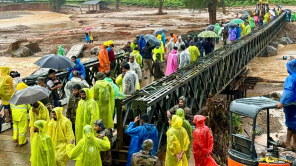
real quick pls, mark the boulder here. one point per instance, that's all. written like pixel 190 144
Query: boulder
pixel 281 46
pixel 275 96
pixel 285 40
pixel 274 44
pixel 271 51
pixel 22 52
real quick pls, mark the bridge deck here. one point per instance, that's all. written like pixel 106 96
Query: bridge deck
pixel 75 50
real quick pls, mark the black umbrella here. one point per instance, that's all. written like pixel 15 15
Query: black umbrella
pixel 245 16
pixel 287 10
pixel 231 25
pixel 54 61
pixel 152 40
pixel 29 95
pixel 210 27
pixel 159 31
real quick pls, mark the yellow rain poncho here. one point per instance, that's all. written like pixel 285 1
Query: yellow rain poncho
pixel 6 85
pixel 61 133
pixel 177 141
pixel 87 113
pixel 20 119
pixel 194 53
pixel 42 150
pixel 138 57
pixel 43 115
pixel 243 28
pixel 119 81
pixel 87 151
pixel 103 94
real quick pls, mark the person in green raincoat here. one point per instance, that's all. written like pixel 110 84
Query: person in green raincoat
pixel 293 17
pixel 217 28
pixel 61 51
pixel 194 52
pixel 248 28
pixel 87 113
pixel 87 151
pixel 186 125
pixel 103 94
pixel 117 92
pixel 42 148
pixel 252 23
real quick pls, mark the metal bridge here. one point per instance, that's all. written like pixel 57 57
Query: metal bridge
pixel 208 75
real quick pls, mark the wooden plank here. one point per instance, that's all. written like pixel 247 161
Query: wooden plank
pixel 75 50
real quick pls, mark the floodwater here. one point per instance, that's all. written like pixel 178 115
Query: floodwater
pixel 274 67
pixel 35 19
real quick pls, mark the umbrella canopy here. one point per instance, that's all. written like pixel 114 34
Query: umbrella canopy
pixel 245 16
pixel 29 95
pixel 152 40
pixel 210 28
pixel 280 6
pixel 54 61
pixel 271 12
pixel 88 28
pixel 207 34
pixel 237 21
pixel 159 31
pixel 231 25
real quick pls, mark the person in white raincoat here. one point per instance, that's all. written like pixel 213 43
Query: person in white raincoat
pixel 130 80
pixel 184 57
pixel 135 67
pixel 74 80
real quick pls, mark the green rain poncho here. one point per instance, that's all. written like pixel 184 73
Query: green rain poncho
pixel 187 127
pixel 87 113
pixel 217 28
pixel 61 51
pixel 117 92
pixel 194 53
pixel 103 94
pixel 87 151
pixel 61 133
pixel 252 22
pixel 42 149
pixel 177 141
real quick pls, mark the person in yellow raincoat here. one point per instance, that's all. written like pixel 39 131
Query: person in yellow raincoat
pixel 158 49
pixel 137 56
pixel 6 90
pixel 103 94
pixel 87 151
pixel 60 130
pixel 20 119
pixel 87 113
pixel 42 149
pixel 266 18
pixel 194 52
pixel 177 143
pixel 38 112
pixel 243 28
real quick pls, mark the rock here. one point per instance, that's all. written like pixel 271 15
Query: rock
pixel 285 40
pixel 95 50
pixel 281 46
pixel 271 51
pixel 274 95
pixel 274 44
pixel 22 52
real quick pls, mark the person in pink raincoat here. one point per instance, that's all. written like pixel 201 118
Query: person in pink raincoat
pixel 172 63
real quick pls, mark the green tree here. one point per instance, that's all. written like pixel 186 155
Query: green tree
pixel 157 2
pixel 117 4
pixel 211 5
pixel 56 4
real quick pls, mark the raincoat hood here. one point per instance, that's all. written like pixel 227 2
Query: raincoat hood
pixel 180 113
pixel 40 124
pixel 59 112
pixel 149 127
pixel 180 39
pixel 88 93
pixel 177 122
pixel 5 70
pixel 199 120
pixel 88 132
pixel 174 51
pixel 136 52
pixel 77 61
pixel 217 25
pixel 291 67
pixel 159 37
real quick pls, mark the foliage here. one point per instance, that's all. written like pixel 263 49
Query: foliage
pixel 217 113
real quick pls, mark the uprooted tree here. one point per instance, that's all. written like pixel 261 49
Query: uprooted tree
pixel 217 113
pixel 211 5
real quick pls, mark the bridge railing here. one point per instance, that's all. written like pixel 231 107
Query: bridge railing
pixel 209 75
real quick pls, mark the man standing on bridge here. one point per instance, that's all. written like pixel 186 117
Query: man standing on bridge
pixel 104 58
pixel 73 104
pixel 78 67
pixel 139 135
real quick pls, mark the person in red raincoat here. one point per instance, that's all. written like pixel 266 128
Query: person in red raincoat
pixel 104 58
pixel 202 143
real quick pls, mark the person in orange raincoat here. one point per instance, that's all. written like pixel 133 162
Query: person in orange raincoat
pixel 104 58
pixel 202 143
pixel 174 37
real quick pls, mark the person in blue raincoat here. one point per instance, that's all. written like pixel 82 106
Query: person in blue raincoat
pixel 139 135
pixel 142 44
pixel 239 31
pixel 163 38
pixel 78 67
pixel 289 96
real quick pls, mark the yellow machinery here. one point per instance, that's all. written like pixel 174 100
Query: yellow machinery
pixel 262 8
